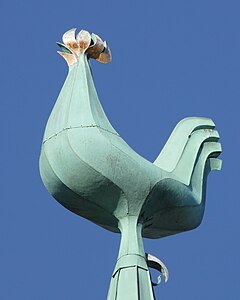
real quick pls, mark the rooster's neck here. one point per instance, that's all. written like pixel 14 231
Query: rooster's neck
pixel 78 105
pixel 85 108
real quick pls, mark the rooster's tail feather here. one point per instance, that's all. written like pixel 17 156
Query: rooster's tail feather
pixel 173 149
pixel 207 161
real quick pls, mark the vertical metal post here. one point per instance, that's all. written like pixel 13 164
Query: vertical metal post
pixel 131 277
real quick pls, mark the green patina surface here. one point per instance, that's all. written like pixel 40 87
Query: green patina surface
pixel 88 168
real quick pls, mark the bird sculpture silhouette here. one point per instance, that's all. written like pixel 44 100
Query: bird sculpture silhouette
pixel 88 168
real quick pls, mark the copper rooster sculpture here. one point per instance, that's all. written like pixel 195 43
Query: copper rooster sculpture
pixel 88 168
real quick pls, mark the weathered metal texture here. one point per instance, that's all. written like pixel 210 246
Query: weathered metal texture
pixel 75 45
pixel 88 168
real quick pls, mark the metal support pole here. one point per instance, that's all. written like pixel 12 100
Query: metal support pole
pixel 131 278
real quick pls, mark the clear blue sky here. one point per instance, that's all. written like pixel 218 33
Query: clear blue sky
pixel 171 59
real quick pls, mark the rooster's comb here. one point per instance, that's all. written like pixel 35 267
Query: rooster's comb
pixel 83 43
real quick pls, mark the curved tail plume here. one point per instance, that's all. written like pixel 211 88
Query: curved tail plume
pixel 207 161
pixel 184 169
pixel 179 155
pixel 173 149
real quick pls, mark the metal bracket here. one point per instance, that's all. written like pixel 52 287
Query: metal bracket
pixel 156 264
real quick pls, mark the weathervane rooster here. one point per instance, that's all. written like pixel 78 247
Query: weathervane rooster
pixel 89 169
